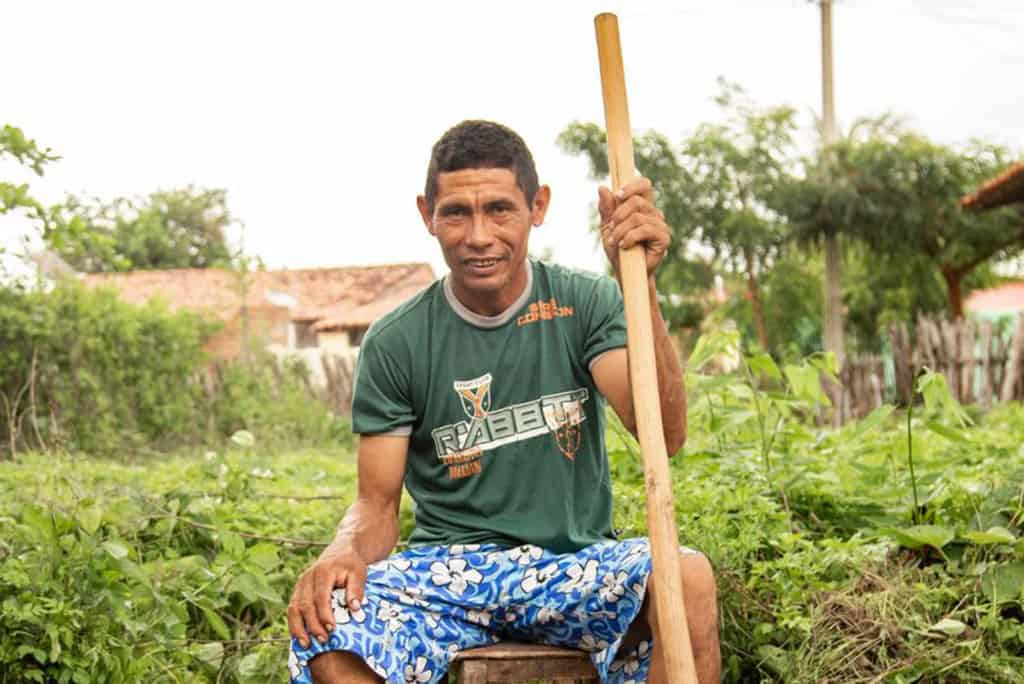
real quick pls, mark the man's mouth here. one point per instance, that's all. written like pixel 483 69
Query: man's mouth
pixel 482 264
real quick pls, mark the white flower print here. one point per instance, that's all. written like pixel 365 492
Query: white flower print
pixel 632 664
pixel 513 612
pixel 418 674
pixel 546 615
pixel 342 613
pixel 479 617
pixel 612 587
pixel 525 554
pixel 635 551
pixel 454 575
pixel 535 578
pixel 459 549
pixel 579 576
pixel 376 667
pixel 590 644
pixel 392 615
pixel 412 596
pixel 294 666
pixel 398 564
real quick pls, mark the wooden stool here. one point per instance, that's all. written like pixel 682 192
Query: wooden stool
pixel 509 661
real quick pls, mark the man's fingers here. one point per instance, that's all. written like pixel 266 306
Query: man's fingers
pixel 637 228
pixel 605 203
pixel 324 583
pixel 646 235
pixel 307 607
pixel 295 625
pixel 296 616
pixel 638 187
pixel 634 205
pixel 355 589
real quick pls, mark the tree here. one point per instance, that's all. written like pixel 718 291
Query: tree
pixel 898 193
pixel 181 228
pixel 26 152
pixel 717 189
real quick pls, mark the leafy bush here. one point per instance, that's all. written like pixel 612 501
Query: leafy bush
pixel 828 568
pixel 82 371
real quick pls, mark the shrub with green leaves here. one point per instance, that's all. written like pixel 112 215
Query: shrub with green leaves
pixel 829 569
pixel 83 371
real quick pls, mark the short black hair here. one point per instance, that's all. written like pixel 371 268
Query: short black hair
pixel 475 144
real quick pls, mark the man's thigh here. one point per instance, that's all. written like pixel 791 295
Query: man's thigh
pixel 425 605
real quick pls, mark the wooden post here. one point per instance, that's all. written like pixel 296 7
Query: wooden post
pixel 1012 371
pixel 671 613
pixel 987 379
pixel 951 341
pixel 968 348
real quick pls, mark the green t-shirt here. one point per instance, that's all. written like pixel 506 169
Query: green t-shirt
pixel 505 423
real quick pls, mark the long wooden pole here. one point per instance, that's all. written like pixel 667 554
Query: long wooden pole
pixel 673 632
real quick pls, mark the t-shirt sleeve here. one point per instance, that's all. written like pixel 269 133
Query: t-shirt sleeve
pixel 381 398
pixel 605 326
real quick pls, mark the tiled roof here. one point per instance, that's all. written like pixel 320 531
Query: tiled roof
pixel 342 317
pixel 1006 188
pixel 1008 297
pixel 312 293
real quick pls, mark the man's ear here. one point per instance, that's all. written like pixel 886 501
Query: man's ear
pixel 541 202
pixel 425 213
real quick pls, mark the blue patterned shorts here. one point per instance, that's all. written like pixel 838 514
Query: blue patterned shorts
pixel 426 604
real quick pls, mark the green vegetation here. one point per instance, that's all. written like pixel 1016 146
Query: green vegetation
pixel 890 550
pixel 742 200
pixel 82 371
pixel 26 152
pixel 180 228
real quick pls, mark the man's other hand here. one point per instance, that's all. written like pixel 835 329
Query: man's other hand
pixel 629 218
pixel 309 612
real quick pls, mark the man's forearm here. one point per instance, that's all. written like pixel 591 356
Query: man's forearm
pixel 368 529
pixel 671 385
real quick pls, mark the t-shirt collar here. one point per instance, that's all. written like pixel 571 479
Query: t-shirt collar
pixel 480 320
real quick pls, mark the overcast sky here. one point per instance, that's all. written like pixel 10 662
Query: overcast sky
pixel 318 117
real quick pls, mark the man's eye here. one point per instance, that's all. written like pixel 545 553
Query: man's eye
pixel 454 211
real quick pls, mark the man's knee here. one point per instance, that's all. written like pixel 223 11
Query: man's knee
pixel 337 667
pixel 698 578
pixel 699 592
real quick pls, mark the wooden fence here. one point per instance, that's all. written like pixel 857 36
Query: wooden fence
pixel 982 363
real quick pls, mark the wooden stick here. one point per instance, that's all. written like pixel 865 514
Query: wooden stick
pixel 674 645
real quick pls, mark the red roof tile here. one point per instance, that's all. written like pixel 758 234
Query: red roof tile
pixel 1006 188
pixel 313 292
pixel 1008 297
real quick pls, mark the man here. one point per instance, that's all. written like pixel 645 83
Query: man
pixel 485 395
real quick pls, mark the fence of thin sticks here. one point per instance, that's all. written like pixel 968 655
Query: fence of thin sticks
pixel 982 362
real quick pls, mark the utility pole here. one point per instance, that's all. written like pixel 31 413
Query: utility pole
pixel 833 262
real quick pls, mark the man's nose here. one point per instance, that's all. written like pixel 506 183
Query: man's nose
pixel 480 235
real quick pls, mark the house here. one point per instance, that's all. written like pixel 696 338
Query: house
pixel 305 311
pixel 1006 189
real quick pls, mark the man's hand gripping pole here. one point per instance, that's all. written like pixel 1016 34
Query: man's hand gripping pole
pixel 674 645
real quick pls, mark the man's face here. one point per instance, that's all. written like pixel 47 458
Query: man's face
pixel 482 222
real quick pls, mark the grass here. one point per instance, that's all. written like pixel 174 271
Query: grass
pixel 179 569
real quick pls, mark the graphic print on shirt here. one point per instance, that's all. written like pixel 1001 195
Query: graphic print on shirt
pixel 461 445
